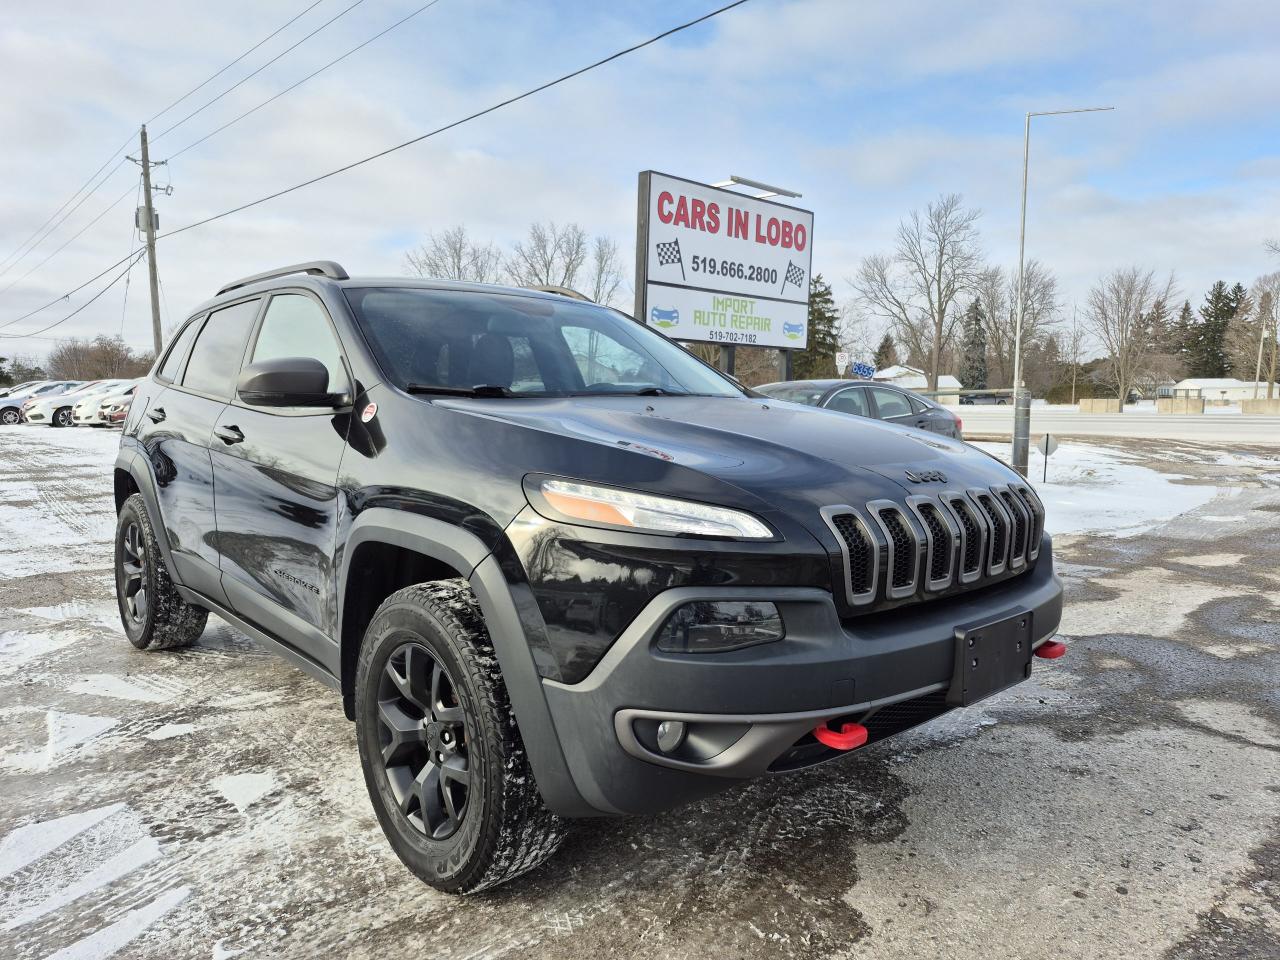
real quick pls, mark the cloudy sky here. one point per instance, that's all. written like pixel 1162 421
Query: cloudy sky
pixel 868 108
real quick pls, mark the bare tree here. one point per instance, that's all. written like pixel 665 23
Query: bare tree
pixel 101 358
pixel 1265 296
pixel 935 261
pixel 606 271
pixel 998 295
pixel 1073 351
pixel 1273 246
pixel 452 255
pixel 550 255
pixel 1125 309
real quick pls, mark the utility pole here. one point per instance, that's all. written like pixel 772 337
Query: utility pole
pixel 147 215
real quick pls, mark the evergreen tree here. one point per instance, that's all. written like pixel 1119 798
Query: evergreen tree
pixel 973 360
pixel 886 353
pixel 1209 356
pixel 1185 337
pixel 818 359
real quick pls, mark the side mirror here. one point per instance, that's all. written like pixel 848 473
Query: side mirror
pixel 287 382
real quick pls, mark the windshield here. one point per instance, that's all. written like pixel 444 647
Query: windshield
pixel 794 392
pixel 456 341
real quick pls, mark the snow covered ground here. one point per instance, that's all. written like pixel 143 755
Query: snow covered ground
pixel 1095 489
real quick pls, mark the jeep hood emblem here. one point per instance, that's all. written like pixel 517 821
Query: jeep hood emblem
pixel 926 476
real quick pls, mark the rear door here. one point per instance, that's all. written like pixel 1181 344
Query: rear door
pixel 174 429
pixel 275 476
pixel 851 400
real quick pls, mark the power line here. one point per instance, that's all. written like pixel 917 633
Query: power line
pixel 250 76
pixel 92 176
pixel 219 73
pixel 294 86
pixel 389 150
pixel 117 279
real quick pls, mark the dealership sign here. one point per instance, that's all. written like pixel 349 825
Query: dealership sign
pixel 713 265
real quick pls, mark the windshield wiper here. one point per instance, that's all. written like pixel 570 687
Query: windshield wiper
pixel 479 390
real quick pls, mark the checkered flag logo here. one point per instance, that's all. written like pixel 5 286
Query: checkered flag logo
pixel 794 275
pixel 669 253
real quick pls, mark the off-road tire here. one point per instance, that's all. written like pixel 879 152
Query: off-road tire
pixel 505 829
pixel 167 620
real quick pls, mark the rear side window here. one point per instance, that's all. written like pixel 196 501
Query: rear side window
pixel 169 369
pixel 850 401
pixel 918 406
pixel 806 393
pixel 297 326
pixel 215 359
pixel 891 404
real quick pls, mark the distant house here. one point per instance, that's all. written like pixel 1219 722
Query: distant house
pixel 909 378
pixel 1221 389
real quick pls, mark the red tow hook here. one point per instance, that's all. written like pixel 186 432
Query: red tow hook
pixel 1051 650
pixel 851 735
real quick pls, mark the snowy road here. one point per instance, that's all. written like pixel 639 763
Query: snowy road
pixel 207 803
pixel 1142 423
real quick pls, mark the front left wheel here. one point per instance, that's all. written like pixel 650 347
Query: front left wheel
pixel 61 417
pixel 443 760
pixel 9 416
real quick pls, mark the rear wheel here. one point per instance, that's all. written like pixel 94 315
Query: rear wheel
pixel 154 615
pixel 443 759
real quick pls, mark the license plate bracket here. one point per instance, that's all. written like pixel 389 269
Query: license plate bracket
pixel 990 657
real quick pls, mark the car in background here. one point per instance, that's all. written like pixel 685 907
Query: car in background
pixel 19 387
pixel 865 398
pixel 11 406
pixel 89 402
pixel 998 399
pixel 115 408
pixel 54 409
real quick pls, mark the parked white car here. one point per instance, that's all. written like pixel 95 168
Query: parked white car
pixel 86 409
pixel 11 406
pixel 97 406
pixel 20 387
pixel 54 409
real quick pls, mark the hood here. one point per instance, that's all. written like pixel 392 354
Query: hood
pixel 767 447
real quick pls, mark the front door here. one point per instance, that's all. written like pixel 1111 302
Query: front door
pixel 275 476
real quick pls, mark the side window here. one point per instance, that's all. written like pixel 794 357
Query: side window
pixel 169 369
pixel 918 406
pixel 891 404
pixel 297 326
pixel 215 359
pixel 850 401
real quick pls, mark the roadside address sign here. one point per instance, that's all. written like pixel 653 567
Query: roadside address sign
pixel 717 266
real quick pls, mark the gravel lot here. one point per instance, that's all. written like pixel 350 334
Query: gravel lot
pixel 207 803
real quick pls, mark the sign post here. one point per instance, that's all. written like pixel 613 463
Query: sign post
pixel 1046 445
pixel 715 266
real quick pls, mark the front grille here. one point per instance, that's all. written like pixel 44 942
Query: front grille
pixel 903 548
pixel 888 549
pixel 905 714
pixel 940 549
pixel 971 562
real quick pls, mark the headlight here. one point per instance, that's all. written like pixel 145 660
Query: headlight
pixel 608 506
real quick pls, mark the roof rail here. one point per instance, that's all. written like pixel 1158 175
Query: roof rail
pixel 321 268
pixel 562 291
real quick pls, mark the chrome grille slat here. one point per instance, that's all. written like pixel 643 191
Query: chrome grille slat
pixel 860 550
pixel 1021 523
pixel 972 536
pixel 903 548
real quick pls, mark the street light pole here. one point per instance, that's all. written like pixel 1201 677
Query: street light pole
pixel 1022 399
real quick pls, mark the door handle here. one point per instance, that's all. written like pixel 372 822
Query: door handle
pixel 229 434
pixel 156 414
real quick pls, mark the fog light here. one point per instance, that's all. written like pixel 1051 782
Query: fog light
pixel 670 735
pixel 716 626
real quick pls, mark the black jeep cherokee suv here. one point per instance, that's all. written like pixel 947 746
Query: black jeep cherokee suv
pixel 556 566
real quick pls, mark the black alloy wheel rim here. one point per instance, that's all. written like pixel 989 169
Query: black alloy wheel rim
pixel 133 571
pixel 422 736
pixel 63 417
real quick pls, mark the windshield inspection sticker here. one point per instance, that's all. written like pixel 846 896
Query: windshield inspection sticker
pixel 368 413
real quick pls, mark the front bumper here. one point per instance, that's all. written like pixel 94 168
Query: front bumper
pixel 753 710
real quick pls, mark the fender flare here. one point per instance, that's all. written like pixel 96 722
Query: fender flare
pixel 138 467
pixel 474 561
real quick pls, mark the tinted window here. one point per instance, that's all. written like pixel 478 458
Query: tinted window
pixel 215 359
pixel 850 401
pixel 169 370
pixel 532 346
pixel 297 326
pixel 891 404
pixel 917 405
